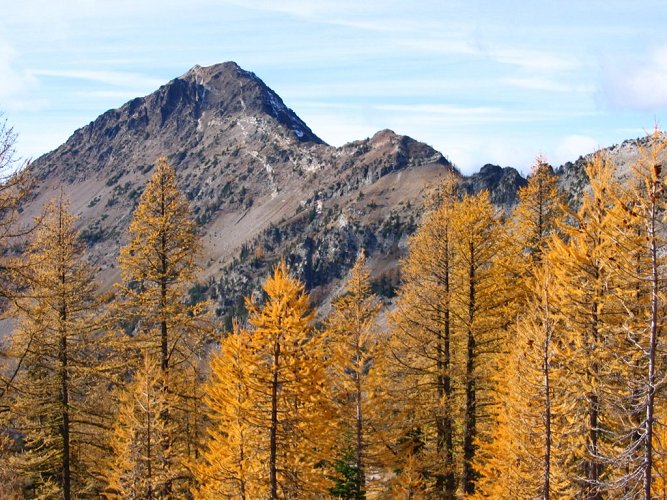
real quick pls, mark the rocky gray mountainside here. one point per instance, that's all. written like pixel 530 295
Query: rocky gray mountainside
pixel 502 183
pixel 262 185
pixel 572 175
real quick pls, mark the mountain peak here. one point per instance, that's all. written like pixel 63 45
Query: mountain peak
pixel 255 175
pixel 185 114
pixel 207 71
pixel 208 75
pixel 226 88
pixel 502 183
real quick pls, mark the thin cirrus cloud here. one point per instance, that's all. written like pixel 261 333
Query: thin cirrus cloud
pixel 320 91
pixel 432 113
pixel 457 44
pixel 547 84
pixel 326 12
pixel 110 98
pixel 111 78
pixel 535 60
pixel 15 84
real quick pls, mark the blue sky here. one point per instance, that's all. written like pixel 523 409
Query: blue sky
pixel 481 81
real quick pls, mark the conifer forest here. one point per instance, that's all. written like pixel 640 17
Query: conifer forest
pixel 524 355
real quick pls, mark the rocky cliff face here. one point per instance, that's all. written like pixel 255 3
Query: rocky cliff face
pixel 503 184
pixel 573 174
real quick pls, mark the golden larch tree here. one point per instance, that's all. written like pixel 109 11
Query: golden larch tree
pixel 639 267
pixel 478 300
pixel 56 391
pixel 410 484
pixel 585 366
pixel 649 205
pixel 158 267
pixel 448 330
pixel 421 355
pixel 290 391
pixel 353 343
pixel 15 186
pixel 269 401
pixel 520 442
pixel 520 460
pixel 537 215
pixel 142 462
pixel 233 462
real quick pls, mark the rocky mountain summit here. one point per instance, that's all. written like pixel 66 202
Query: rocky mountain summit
pixel 261 184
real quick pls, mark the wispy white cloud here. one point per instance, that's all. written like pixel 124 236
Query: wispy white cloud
pixel 469 135
pixel 434 113
pixel 458 44
pixel 49 12
pixel 442 109
pixel 546 84
pixel 340 128
pixel 118 96
pixel 439 109
pixel 33 142
pixel 401 87
pixel 112 78
pixel 375 24
pixel 535 60
pixel 469 151
pixel 16 84
pixel 341 11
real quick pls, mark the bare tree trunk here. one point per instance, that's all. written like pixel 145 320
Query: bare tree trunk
pixel 445 483
pixel 546 366
pixel 149 435
pixel 653 343
pixel 593 475
pixel 361 472
pixel 65 424
pixel 164 332
pixel 273 433
pixel 359 424
pixel 470 424
pixel 593 464
pixel 64 378
pixel 164 337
